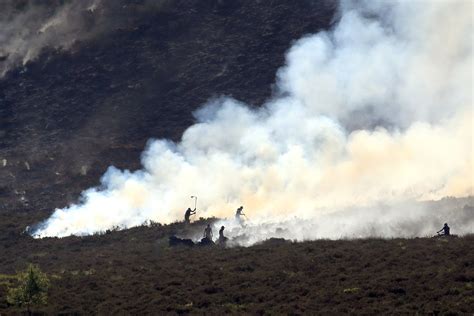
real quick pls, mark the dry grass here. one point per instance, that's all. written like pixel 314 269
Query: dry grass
pixel 134 271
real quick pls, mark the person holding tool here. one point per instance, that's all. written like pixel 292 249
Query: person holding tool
pixel 190 212
pixel 238 215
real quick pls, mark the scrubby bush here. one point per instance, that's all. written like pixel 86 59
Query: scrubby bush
pixel 32 289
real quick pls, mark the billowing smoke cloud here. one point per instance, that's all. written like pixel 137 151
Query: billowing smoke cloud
pixel 378 110
pixel 401 220
pixel 27 27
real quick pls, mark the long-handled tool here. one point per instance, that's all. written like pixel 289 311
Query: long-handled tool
pixel 195 200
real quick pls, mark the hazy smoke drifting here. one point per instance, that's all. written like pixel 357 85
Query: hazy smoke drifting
pixel 27 27
pixel 377 110
pixel 400 220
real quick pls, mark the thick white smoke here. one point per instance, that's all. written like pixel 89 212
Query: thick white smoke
pixel 377 110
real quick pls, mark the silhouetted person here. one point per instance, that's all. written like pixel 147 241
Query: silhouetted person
pixel 238 214
pixel 188 214
pixel 222 238
pixel 445 230
pixel 208 232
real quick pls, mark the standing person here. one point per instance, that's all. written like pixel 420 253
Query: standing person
pixel 208 232
pixel 188 214
pixel 445 230
pixel 238 214
pixel 222 238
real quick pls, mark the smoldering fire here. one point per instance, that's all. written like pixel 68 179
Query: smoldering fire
pixel 379 109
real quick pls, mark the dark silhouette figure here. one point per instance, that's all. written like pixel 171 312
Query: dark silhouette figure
pixel 222 238
pixel 208 232
pixel 444 231
pixel 238 214
pixel 188 214
pixel 207 237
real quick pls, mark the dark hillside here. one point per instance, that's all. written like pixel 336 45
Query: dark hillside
pixel 67 116
pixel 135 272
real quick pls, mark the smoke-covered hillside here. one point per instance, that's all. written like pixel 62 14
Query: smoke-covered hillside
pixel 367 114
pixel 344 129
pixel 89 82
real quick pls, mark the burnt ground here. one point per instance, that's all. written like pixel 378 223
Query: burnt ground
pixel 135 272
pixel 67 116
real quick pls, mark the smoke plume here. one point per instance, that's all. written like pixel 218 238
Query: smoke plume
pixel 28 27
pixel 376 111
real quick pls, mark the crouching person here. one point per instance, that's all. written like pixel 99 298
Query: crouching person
pixel 444 231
